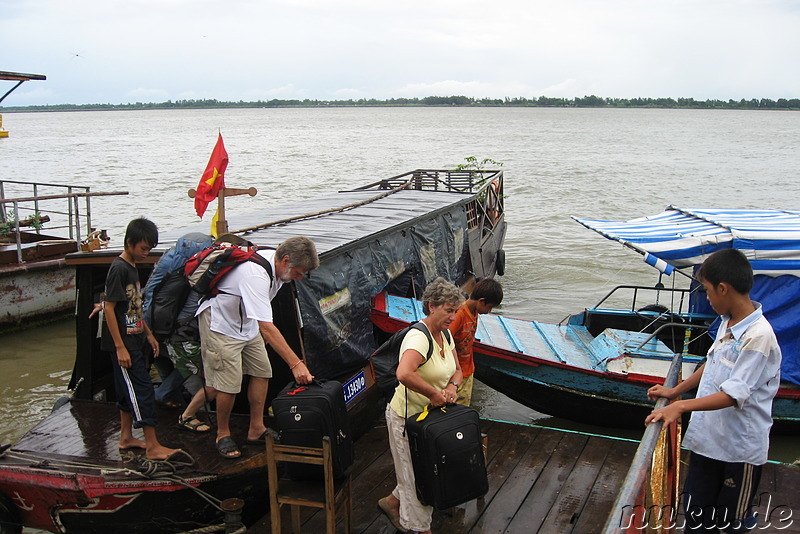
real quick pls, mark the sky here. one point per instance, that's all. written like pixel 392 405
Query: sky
pixel 126 51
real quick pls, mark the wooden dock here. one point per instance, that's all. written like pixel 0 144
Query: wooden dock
pixel 540 481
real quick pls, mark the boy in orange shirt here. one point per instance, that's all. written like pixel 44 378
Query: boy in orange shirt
pixel 486 294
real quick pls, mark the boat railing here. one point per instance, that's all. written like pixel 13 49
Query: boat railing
pixel 66 211
pixel 648 499
pixel 677 301
pixel 484 212
pixel 665 326
pixel 467 181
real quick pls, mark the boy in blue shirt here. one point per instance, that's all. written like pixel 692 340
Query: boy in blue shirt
pixel 124 336
pixel 728 433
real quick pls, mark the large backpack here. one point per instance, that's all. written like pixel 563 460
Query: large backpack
pixel 207 268
pixel 386 357
pixel 185 279
pixel 167 289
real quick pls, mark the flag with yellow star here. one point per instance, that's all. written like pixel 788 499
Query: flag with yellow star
pixel 213 178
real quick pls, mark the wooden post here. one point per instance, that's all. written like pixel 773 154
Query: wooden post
pixel 222 223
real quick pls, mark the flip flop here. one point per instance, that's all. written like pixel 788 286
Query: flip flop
pixel 132 448
pixel 180 458
pixel 262 439
pixel 226 446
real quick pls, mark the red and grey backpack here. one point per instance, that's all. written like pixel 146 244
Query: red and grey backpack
pixel 207 268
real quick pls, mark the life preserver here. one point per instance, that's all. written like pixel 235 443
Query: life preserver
pixel 9 517
pixel 493 202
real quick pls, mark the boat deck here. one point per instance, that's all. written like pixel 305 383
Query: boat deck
pixel 540 481
pixel 87 433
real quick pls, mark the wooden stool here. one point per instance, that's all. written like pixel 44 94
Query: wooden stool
pixel 324 494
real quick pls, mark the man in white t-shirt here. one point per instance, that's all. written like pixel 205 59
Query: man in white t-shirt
pixel 234 327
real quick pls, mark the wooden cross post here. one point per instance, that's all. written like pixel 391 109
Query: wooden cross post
pixel 222 223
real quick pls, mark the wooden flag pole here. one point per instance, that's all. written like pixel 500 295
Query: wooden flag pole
pixel 222 223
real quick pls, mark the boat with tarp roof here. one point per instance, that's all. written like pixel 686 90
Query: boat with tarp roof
pixel 596 366
pixel 67 475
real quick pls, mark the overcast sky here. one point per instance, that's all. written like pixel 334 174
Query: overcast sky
pixel 120 51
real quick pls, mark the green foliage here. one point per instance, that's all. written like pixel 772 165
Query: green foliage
pixel 472 163
pixel 10 224
pixel 459 101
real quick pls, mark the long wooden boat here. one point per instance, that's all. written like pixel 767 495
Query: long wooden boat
pixel 66 475
pixel 597 365
pixel 37 283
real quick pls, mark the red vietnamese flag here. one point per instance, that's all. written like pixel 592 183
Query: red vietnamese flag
pixel 213 178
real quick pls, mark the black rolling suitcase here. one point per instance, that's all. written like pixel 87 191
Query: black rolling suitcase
pixel 304 414
pixel 447 453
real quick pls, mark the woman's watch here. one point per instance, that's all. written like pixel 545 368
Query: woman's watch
pixel 454 383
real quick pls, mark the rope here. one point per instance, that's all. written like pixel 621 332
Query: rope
pixel 215 528
pixel 148 468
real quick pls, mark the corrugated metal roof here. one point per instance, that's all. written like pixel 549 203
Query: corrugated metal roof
pixel 336 231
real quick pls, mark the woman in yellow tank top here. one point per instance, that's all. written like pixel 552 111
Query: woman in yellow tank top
pixel 422 382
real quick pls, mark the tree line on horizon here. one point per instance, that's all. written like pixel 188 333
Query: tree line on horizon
pixel 590 101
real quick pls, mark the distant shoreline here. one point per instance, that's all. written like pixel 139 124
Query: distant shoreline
pixel 435 101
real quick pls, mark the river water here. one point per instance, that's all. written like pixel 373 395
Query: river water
pixel 595 163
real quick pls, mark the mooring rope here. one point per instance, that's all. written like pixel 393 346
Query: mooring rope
pixel 215 528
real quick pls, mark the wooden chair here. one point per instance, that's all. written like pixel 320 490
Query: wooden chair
pixel 324 494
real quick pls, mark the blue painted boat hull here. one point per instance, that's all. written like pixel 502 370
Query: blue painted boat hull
pixel 573 371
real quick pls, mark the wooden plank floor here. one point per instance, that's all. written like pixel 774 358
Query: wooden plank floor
pixel 540 481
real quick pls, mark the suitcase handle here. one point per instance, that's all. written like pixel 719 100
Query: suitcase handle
pixel 302 387
pixel 428 409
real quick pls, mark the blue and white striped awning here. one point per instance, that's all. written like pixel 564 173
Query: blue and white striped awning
pixel 684 237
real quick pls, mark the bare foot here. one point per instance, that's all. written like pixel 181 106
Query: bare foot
pixel 393 502
pixel 160 452
pixel 131 443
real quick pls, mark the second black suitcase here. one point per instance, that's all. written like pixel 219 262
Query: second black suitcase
pixel 304 414
pixel 447 453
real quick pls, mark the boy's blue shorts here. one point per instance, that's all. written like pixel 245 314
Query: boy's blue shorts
pixel 134 388
pixel 718 496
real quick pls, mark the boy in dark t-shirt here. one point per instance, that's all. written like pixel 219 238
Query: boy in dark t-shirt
pixel 124 336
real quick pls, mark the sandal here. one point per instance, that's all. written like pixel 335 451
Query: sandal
pixel 227 448
pixel 192 424
pixel 262 439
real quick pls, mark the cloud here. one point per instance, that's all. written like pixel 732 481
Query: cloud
pixel 348 94
pixel 454 87
pixel 252 50
pixel 141 94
